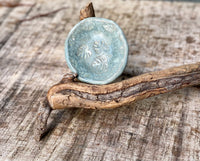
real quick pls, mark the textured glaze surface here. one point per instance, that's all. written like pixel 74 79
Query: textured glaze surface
pixel 96 50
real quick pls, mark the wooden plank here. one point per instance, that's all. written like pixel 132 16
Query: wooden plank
pixel 160 35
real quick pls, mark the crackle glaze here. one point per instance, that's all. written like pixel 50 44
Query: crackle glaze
pixel 96 49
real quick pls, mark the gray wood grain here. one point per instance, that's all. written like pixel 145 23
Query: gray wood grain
pixel 164 127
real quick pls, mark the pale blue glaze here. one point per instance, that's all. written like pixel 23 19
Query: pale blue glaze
pixel 96 49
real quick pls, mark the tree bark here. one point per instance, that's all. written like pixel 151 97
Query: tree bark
pixel 87 11
pixel 75 94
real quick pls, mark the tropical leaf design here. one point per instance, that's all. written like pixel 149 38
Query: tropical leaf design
pixel 84 52
pixel 100 46
pixel 100 63
pixel 109 27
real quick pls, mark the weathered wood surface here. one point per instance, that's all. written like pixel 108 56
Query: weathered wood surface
pixel 160 35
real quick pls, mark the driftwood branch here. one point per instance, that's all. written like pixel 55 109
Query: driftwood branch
pixel 82 95
pixel 70 93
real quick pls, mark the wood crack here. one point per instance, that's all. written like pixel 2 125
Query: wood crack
pixel 4 41
pixel 44 14
pixel 14 4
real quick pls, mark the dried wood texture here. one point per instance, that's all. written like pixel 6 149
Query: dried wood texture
pixel 164 127
pixel 76 94
pixel 87 11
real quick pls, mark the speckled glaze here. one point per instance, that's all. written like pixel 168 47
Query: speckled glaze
pixel 96 49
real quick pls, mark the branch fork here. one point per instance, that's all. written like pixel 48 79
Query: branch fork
pixel 70 93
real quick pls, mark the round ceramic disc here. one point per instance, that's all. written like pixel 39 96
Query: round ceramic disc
pixel 96 49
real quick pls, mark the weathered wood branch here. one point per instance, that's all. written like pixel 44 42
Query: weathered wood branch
pixel 82 95
pixel 44 111
pixel 70 93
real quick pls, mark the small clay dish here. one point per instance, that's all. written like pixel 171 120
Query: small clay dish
pixel 96 49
